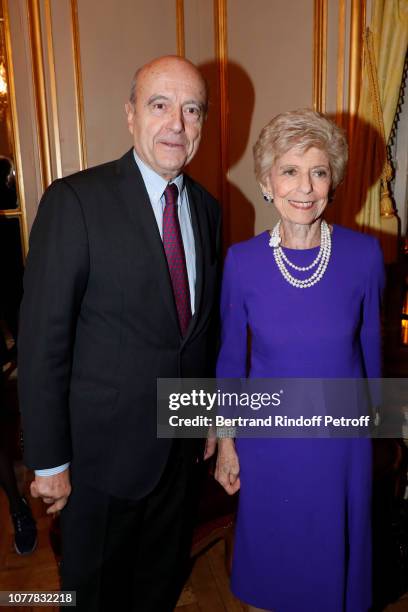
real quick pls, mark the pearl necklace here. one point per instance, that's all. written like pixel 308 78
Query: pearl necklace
pixel 321 260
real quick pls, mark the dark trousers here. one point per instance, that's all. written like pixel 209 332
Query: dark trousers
pixel 129 555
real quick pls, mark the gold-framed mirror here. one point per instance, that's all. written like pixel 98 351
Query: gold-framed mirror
pixel 11 195
pixel 13 233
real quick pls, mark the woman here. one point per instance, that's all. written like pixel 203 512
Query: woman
pixel 310 295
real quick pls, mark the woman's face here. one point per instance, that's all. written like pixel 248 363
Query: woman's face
pixel 299 183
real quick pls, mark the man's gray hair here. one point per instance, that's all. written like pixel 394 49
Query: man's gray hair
pixel 132 96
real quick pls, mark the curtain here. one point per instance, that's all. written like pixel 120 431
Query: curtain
pixel 365 202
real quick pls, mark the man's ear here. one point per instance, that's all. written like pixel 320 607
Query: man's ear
pixel 130 113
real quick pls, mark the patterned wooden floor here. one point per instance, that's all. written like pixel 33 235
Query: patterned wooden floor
pixel 207 590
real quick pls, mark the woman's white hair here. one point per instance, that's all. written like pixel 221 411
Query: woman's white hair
pixel 303 129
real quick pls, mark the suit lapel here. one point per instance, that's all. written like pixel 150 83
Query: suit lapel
pixel 197 220
pixel 139 208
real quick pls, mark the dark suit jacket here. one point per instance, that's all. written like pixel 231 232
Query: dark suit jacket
pixel 99 325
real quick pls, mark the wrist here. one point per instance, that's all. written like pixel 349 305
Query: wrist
pixel 226 442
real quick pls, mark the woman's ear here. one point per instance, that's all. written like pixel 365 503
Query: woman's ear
pixel 266 191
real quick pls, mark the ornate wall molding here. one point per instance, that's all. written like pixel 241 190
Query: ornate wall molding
pixel 320 55
pixel 16 134
pixel 221 54
pixel 180 28
pixel 79 94
pixel 341 46
pixel 33 12
pixel 357 21
pixel 357 24
pixel 53 87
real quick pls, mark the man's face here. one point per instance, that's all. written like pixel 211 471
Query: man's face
pixel 167 117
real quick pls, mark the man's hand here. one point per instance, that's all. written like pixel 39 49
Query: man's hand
pixel 53 490
pixel 227 468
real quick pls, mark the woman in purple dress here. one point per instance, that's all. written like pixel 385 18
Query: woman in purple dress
pixel 310 295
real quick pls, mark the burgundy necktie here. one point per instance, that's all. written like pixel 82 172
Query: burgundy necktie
pixel 176 259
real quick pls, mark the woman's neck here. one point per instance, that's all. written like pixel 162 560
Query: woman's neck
pixel 299 236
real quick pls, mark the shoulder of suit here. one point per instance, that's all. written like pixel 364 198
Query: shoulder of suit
pixel 206 195
pixel 96 179
pixel 101 173
pixel 95 173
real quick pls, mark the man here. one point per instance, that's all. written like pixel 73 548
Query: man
pixel 120 289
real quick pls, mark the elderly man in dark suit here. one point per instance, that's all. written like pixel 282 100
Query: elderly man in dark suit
pixel 121 288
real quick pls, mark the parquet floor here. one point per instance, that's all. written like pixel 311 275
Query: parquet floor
pixel 206 591
pixel 37 571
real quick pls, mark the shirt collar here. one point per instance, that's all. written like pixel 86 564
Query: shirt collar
pixel 156 184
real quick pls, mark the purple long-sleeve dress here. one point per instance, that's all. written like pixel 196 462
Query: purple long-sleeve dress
pixel 303 533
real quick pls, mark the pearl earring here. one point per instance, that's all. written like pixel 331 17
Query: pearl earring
pixel 268 197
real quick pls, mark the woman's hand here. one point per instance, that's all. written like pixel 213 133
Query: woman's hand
pixel 227 468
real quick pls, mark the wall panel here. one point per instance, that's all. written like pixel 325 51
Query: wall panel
pixel 273 48
pixel 65 81
pixel 269 54
pixel 116 38
pixel 200 49
pixel 333 16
